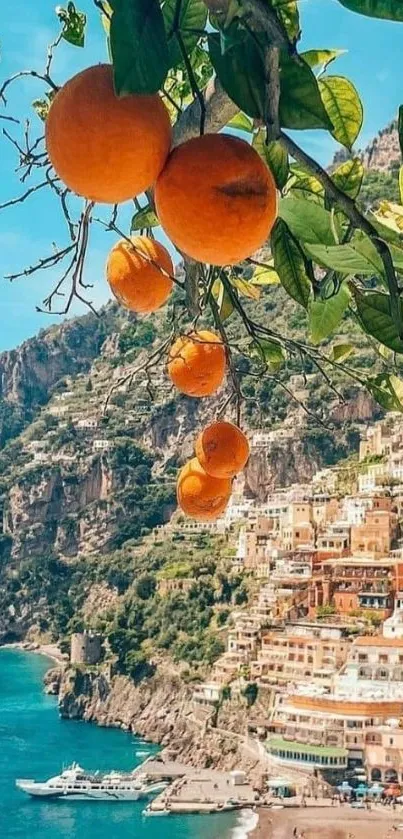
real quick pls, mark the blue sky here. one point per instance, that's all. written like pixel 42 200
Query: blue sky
pixel 372 61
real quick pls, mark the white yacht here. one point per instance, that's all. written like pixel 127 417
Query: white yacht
pixel 76 784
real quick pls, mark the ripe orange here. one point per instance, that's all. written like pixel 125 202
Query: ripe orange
pixel 197 363
pixel 216 199
pixel 136 282
pixel 222 449
pixel 200 495
pixel 102 147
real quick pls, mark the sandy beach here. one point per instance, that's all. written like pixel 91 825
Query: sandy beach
pixel 327 823
pixel 51 651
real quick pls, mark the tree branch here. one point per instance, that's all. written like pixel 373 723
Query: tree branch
pixel 272 103
pixel 219 110
pixel 265 18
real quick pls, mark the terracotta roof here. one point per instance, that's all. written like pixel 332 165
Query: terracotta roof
pixel 377 641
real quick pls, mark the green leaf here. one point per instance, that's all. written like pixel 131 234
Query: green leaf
pixel 106 15
pixel 245 288
pixel 301 105
pixel 388 221
pixel 305 185
pixel 307 221
pixel 287 11
pixel 247 90
pixel 264 275
pixel 349 176
pixel 193 15
pixel 269 352
pixel 223 299
pixel 356 257
pixel 144 218
pixel 397 257
pixel 340 352
pixel 374 310
pixel 321 58
pixel 289 263
pixel 274 155
pixel 241 122
pixel 400 128
pixel 387 389
pixel 384 9
pixel 326 315
pixel 344 108
pixel 74 23
pixel 139 46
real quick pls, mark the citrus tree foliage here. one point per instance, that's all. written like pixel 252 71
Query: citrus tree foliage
pixel 237 65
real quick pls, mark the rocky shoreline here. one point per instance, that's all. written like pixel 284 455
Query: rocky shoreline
pixel 159 710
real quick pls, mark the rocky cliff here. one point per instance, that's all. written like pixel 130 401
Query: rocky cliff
pixel 160 710
pixel 28 374
pixel 383 153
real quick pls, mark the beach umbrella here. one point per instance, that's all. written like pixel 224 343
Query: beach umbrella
pixel 362 789
pixel 376 789
pixel 393 791
pixel 344 787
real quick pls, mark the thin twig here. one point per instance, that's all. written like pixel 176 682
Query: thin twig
pixel 24 196
pixel 45 262
pixel 197 93
pixel 150 361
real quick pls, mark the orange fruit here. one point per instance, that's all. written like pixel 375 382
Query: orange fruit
pixel 216 199
pixel 199 495
pixel 135 280
pixel 222 449
pixel 104 147
pixel 197 363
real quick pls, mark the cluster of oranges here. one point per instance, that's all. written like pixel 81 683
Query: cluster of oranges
pixel 217 202
pixel 204 483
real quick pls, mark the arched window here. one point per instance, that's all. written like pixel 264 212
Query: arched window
pixel 376 774
pixel 391 776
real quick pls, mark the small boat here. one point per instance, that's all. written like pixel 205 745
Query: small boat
pixel 76 784
pixel 162 811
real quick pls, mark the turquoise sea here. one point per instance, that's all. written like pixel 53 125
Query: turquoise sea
pixel 35 743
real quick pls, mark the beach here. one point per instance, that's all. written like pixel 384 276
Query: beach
pixel 327 823
pixel 51 651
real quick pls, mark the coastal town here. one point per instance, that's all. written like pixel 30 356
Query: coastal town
pixel 317 651
pixel 324 635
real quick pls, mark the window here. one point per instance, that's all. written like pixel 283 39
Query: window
pixel 390 741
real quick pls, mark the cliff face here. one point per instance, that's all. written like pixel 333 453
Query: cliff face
pixel 28 373
pixel 383 153
pixel 62 510
pixel 282 464
pixel 160 710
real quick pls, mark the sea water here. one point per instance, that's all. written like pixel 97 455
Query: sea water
pixel 36 743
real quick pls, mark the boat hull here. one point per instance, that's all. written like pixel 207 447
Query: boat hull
pixel 35 790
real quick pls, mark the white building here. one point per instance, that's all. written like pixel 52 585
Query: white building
pixel 207 693
pixel 393 626
pixel 87 424
pixel 373 477
pixel 101 445
pixel 354 508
